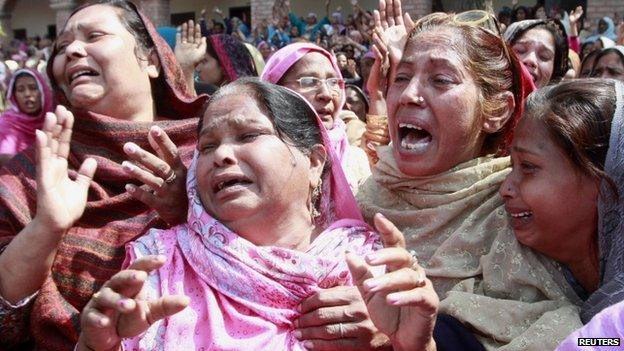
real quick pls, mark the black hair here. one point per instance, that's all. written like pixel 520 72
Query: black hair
pixel 578 114
pixel 604 52
pixel 237 53
pixel 292 117
pixel 557 30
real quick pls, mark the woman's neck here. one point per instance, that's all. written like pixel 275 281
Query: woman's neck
pixel 129 110
pixel 293 231
pixel 586 269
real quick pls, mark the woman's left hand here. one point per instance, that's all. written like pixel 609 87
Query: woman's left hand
pixel 402 303
pixel 164 176
pixel 337 319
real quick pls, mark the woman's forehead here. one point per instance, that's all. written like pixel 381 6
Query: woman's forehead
pixel 233 110
pixel 313 63
pixel 92 15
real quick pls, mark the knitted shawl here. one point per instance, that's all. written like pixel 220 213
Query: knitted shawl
pixel 93 249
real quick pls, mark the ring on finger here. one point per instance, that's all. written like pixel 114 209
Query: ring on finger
pixel 171 177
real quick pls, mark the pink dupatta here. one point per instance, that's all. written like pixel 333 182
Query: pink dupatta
pixel 243 296
pixel 17 129
pixel 282 60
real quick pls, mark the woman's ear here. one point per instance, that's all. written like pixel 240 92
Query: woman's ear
pixel 318 157
pixel 494 123
pixel 153 64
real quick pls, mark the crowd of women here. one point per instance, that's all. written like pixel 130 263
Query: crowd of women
pixel 469 200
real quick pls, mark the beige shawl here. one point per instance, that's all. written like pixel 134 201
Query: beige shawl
pixel 513 298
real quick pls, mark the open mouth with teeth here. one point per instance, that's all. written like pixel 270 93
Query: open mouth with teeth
pixel 82 73
pixel 519 219
pixel 229 184
pixel 414 138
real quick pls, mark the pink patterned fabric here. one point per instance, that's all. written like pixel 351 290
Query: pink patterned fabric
pixel 243 296
pixel 17 129
pixel 282 60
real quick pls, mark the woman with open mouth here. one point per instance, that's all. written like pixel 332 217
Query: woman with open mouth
pixel 564 193
pixel 30 99
pixel 542 47
pixel 125 95
pixel 270 222
pixel 455 92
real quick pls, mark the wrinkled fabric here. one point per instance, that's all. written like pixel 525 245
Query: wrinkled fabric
pixel 17 129
pixel 610 226
pixel 512 298
pixel 607 324
pixel 234 58
pixel 93 249
pixel 243 296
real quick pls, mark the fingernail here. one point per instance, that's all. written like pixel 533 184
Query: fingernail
pixel 127 165
pixel 372 258
pixel 308 344
pixel 155 130
pixel 393 300
pixel 297 334
pixel 125 304
pixel 139 276
pixel 101 322
pixel 381 215
pixel 371 284
pixel 130 188
pixel 130 148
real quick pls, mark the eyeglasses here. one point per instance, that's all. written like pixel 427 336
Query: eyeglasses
pixel 484 20
pixel 334 85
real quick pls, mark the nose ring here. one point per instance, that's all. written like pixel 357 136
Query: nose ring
pixel 420 100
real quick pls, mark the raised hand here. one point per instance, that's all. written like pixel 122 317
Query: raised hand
pixel 392 28
pixel 402 303
pixel 576 15
pixel 119 309
pixel 60 199
pixel 163 174
pixel 190 45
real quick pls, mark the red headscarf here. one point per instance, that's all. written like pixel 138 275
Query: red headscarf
pixel 93 249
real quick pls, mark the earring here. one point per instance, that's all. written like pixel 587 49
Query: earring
pixel 316 193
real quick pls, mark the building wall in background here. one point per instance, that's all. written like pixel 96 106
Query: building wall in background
pixel 35 16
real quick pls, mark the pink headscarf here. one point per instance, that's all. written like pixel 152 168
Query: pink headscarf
pixel 243 296
pixel 17 129
pixel 286 57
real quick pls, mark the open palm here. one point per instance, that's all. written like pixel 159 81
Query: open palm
pixel 60 200
pixel 190 46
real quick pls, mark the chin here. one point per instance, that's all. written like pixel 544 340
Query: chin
pixel 416 165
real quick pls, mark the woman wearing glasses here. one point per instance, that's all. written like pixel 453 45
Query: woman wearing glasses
pixel 314 73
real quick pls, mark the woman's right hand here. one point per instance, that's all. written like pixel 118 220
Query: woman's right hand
pixel 119 309
pixel 60 200
pixel 392 27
